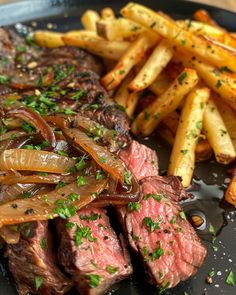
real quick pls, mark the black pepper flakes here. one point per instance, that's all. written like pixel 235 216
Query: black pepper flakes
pixel 106 238
pixel 29 211
pixel 14 206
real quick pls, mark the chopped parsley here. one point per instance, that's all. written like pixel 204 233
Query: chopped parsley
pixel 38 282
pixel 156 197
pixel 183 42
pixel 26 195
pixel 62 153
pixel 4 79
pixel 150 224
pixel 81 180
pixel 173 220
pixel 81 164
pixel 199 125
pixel 63 210
pixel 93 216
pixel 230 279
pixel 218 84
pixel 182 77
pixel 111 269
pixel 158 252
pixel 43 243
pixel 211 274
pixel 146 115
pixel 83 232
pixel 60 184
pixel 184 152
pixel 102 159
pixel 225 69
pixel 77 95
pixel 182 215
pixel 94 280
pixel 28 127
pixel 134 206
pixel 100 175
pixel 70 225
pixel 127 177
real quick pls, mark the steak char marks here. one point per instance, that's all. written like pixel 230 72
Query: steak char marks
pixel 157 228
pixel 91 252
pixel 33 263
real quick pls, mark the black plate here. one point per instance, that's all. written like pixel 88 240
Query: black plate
pixel 208 192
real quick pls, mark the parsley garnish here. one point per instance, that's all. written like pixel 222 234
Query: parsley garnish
pixel 134 206
pixel 158 252
pixel 94 280
pixel 230 279
pixel 43 243
pixel 111 269
pixel 182 77
pixel 38 282
pixel 127 177
pixel 151 225
pixel 81 180
pixel 83 232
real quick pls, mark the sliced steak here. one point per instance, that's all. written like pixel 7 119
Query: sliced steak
pixel 157 228
pixel 91 252
pixel 33 264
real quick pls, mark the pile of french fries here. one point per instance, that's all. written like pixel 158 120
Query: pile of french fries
pixel 189 67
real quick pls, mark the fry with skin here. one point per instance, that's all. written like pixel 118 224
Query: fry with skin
pixel 89 19
pixel 169 29
pixel 107 13
pixel 230 194
pixel 118 29
pixel 150 117
pixel 183 153
pixel 157 61
pixel 229 118
pixel 217 134
pixel 129 59
pixel 48 39
pixel 161 83
pixel 96 45
pixel 167 130
pixel 203 16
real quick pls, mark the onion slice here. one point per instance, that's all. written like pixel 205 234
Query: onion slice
pixel 37 121
pixel 105 159
pixel 34 160
pixel 9 235
pixel 43 207
pixel 35 178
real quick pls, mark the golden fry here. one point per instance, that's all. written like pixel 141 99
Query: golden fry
pixel 215 54
pixel 217 134
pixel 89 20
pixel 107 13
pixel 96 45
pixel 48 39
pixel 158 60
pixel 149 118
pixel 182 158
pixel 129 59
pixel 161 83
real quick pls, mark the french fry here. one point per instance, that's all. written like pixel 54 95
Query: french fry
pixel 206 49
pixel 48 39
pixel 203 16
pixel 129 59
pixel 96 45
pixel 161 83
pixel 217 134
pixel 89 19
pixel 182 158
pixel 107 13
pixel 157 61
pixel 168 128
pixel 125 97
pixel 229 118
pixel 118 29
pixel 230 194
pixel 222 80
pixel 149 118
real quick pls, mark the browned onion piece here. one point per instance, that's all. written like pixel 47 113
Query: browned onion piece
pixel 33 160
pixel 25 81
pixel 41 208
pixel 9 235
pixel 35 178
pixel 37 121
pixel 120 198
pixel 108 161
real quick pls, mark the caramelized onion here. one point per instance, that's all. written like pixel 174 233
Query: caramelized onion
pixel 37 121
pixel 108 161
pixel 35 178
pixel 9 235
pixel 33 160
pixel 11 135
pixel 41 208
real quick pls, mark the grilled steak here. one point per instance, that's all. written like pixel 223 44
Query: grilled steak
pixel 91 252
pixel 157 228
pixel 33 264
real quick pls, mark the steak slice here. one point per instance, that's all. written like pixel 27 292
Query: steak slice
pixel 157 228
pixel 32 262
pixel 91 252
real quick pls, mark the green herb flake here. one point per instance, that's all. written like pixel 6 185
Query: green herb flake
pixel 4 79
pixel 182 215
pixel 122 72
pixel 77 95
pixel 211 229
pixel 184 152
pixel 134 206
pixel 173 220
pixel 127 177
pixel 81 164
pixel 83 232
pixel 70 225
pixel 81 180
pixel 225 69
pixel 218 84
pixel 62 153
pixel 26 195
pixel 38 282
pixel 230 279
pixel 93 216
pixel 156 197
pixel 158 252
pixel 111 270
pixel 183 42
pixel 28 128
pixel 94 280
pixel 222 132
pixel 146 115
pixel 102 159
pixel 60 184
pixel 150 224
pixel 211 274
pixel 43 243
pixel 182 77
pixel 20 48
pixel 199 125
pixel 100 175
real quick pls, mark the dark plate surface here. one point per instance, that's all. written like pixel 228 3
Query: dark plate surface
pixel 210 178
